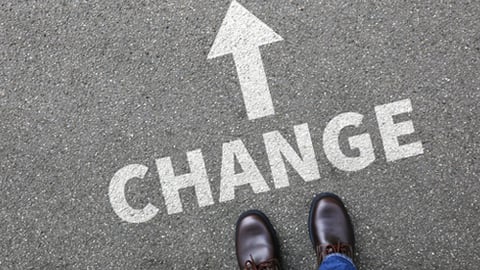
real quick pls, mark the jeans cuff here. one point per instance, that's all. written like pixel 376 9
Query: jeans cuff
pixel 350 260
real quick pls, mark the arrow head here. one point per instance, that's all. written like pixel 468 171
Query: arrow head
pixel 241 31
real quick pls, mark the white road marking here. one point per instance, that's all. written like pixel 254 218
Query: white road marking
pixel 390 131
pixel 362 142
pixel 171 184
pixel 279 151
pixel 116 193
pixel 241 34
pixel 250 175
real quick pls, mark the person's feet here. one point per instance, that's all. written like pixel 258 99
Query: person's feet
pixel 331 229
pixel 256 243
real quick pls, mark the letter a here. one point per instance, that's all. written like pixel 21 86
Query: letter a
pixel 250 175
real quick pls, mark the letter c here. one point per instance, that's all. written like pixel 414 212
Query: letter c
pixel 119 203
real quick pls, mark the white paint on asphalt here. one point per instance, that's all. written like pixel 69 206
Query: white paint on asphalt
pixel 116 193
pixel 390 131
pixel 171 184
pixel 279 151
pixel 241 34
pixel 331 144
pixel 236 151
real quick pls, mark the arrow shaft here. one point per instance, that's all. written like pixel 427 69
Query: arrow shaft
pixel 253 83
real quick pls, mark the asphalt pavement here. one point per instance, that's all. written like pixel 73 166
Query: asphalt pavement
pixel 89 87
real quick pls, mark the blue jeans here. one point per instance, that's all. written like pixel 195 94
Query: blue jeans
pixel 337 261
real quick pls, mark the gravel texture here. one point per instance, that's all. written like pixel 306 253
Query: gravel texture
pixel 87 87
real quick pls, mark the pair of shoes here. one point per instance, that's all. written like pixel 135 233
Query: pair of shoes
pixel 330 227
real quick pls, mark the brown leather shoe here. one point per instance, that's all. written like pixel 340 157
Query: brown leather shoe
pixel 256 242
pixel 330 227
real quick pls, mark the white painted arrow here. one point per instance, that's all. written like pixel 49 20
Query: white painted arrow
pixel 241 34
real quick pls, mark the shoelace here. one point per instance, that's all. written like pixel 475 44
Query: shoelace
pixel 323 250
pixel 271 264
